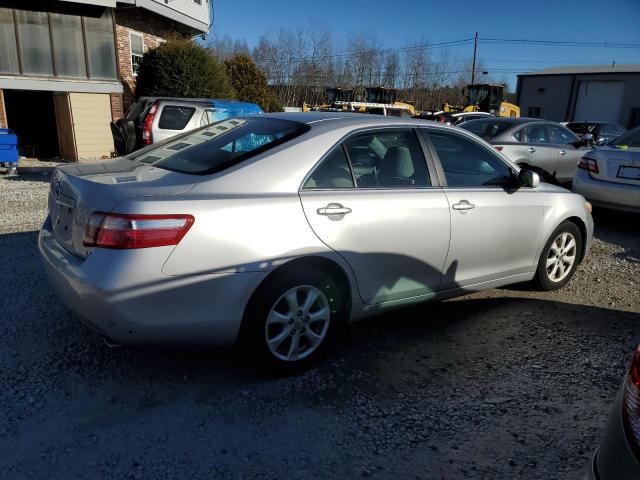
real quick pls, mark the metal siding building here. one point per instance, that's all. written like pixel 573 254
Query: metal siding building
pixel 597 92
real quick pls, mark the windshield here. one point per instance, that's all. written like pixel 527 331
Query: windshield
pixel 220 145
pixel 486 128
pixel 629 139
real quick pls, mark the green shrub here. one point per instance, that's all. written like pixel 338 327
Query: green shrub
pixel 250 84
pixel 181 68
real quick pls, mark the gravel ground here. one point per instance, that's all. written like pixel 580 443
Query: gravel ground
pixel 508 383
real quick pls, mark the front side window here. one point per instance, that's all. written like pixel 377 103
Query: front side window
pixel 387 158
pixel 136 45
pixel 562 135
pixel 467 164
pixel 536 134
pixel 175 117
pixel 333 172
pixel 219 146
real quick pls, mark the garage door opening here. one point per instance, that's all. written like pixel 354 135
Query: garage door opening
pixel 31 115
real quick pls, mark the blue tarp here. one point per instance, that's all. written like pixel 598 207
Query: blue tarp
pixel 233 108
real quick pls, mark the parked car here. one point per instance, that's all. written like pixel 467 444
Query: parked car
pixel 601 132
pixel 454 118
pixel 618 456
pixel 152 119
pixel 277 229
pixel 610 176
pixel 547 148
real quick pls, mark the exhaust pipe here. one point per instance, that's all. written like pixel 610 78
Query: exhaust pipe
pixel 110 343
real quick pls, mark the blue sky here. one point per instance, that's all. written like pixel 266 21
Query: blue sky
pixel 401 22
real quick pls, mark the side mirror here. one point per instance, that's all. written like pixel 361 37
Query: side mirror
pixel 587 137
pixel 601 141
pixel 528 179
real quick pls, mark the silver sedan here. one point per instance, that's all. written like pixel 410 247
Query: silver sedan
pixel 547 148
pixel 276 230
pixel 610 176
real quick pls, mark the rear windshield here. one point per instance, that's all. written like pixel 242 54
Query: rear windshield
pixel 218 146
pixel 175 117
pixel 486 128
pixel 629 139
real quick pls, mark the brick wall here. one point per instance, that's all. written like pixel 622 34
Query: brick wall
pixel 3 113
pixel 117 110
pixel 154 30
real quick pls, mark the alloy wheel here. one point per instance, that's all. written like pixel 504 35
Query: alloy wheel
pixel 561 257
pixel 297 323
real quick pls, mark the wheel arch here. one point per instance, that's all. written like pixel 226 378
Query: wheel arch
pixel 583 233
pixel 327 265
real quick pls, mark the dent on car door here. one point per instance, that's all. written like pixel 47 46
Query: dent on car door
pixel 371 200
pixel 495 226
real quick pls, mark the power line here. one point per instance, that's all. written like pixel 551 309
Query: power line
pixel 558 43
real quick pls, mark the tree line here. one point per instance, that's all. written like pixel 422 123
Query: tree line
pixel 299 65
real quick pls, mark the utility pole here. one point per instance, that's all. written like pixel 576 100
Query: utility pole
pixel 473 68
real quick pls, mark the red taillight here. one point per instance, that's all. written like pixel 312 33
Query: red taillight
pixel 631 404
pixel 498 148
pixel 112 230
pixel 589 164
pixel 147 136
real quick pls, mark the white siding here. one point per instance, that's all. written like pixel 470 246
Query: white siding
pixel 189 8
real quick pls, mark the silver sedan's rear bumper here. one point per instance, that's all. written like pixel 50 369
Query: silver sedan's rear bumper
pixel 607 194
pixel 123 295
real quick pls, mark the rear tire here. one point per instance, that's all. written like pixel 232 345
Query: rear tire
pixel 292 319
pixel 560 257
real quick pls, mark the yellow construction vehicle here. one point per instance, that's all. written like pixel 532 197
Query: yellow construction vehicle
pixel 486 97
pixel 380 101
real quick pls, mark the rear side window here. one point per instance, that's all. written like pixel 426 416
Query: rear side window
pixel 333 172
pixel 221 145
pixel 562 135
pixel 486 129
pixel 387 158
pixel 536 134
pixel 175 117
pixel 467 164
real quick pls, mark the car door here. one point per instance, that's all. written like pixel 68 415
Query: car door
pixel 373 200
pixel 495 226
pixel 537 148
pixel 570 151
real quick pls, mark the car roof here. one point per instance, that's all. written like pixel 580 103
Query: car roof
pixel 325 121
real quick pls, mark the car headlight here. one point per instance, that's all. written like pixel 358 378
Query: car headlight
pixel 587 206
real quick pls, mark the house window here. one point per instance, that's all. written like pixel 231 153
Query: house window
pixel 136 45
pixel 100 46
pixel 534 112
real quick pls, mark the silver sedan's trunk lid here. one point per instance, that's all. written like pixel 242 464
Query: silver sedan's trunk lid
pixel 618 165
pixel 80 189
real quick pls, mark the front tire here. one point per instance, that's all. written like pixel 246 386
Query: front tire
pixel 560 257
pixel 292 319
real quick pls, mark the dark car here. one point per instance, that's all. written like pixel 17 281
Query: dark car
pixel 618 456
pixel 602 132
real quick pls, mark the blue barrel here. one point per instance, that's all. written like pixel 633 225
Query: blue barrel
pixel 8 146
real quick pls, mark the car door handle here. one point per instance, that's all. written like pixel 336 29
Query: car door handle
pixel 333 209
pixel 463 205
pixel 563 152
pixel 532 150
